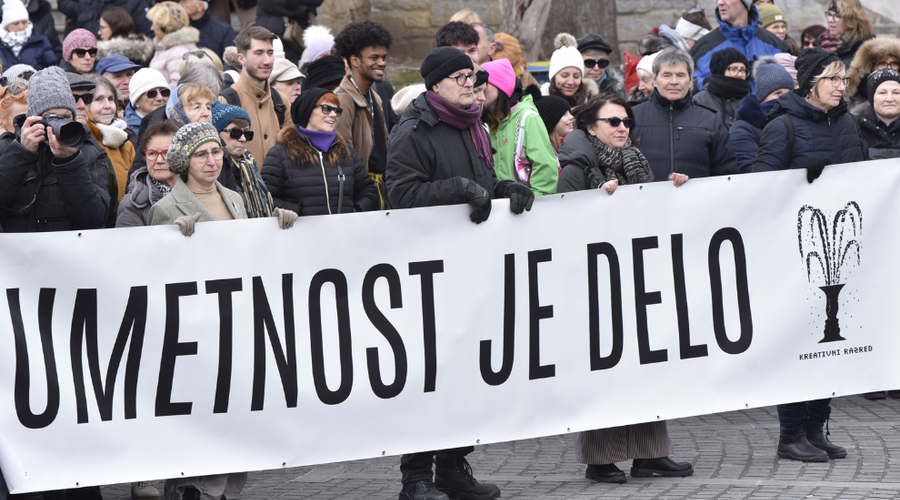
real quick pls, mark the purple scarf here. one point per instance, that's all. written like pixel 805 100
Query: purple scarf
pixel 321 140
pixel 464 119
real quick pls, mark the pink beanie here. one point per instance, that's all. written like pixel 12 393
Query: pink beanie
pixel 77 39
pixel 501 75
pixel 787 61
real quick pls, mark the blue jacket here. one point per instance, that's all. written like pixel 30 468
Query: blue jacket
pixel 214 34
pixel 747 129
pixel 751 40
pixel 37 53
pixel 133 119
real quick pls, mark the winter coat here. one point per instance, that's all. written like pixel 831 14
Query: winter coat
pixel 60 194
pixel 36 52
pixel 577 155
pixel 847 51
pixel 682 136
pixel 270 14
pixel 426 156
pixel 137 48
pixel 614 82
pixel 40 13
pixel 303 179
pixel 724 107
pixel 170 53
pixel 592 90
pixel 86 13
pixel 863 65
pixel 545 167
pixel 259 105
pixel 134 210
pixel 133 119
pixel 181 201
pixel 879 141
pixel 751 40
pixel 356 122
pixel 831 135
pixel 747 129
pixel 120 152
pixel 214 34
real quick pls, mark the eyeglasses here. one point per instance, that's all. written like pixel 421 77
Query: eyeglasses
pixel 164 92
pixel 461 79
pixel 196 53
pixel 832 16
pixel 236 133
pixel 740 70
pixel 836 80
pixel 327 109
pixel 616 121
pixel 893 65
pixel 153 154
pixel 600 63
pixel 203 156
pixel 82 52
pixel 87 98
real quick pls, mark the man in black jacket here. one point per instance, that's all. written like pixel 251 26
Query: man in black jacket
pixel 214 34
pixel 46 185
pixel 440 154
pixel 678 136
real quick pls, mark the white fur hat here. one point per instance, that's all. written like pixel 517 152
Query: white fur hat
pixel 405 96
pixel 13 11
pixel 566 55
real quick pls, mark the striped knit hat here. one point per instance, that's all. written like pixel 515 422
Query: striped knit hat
pixel 185 143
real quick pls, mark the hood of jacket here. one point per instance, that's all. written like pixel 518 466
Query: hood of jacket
pixel 868 54
pixel 741 35
pixel 754 112
pixel 301 152
pixel 144 194
pixel 182 36
pixel 137 48
pixel 797 107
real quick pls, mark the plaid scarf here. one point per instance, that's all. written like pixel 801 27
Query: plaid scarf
pixel 251 187
pixel 464 119
pixel 626 164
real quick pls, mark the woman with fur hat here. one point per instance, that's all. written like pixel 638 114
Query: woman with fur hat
pixel 174 38
pixel 313 170
pixel 567 73
pixel 878 53
pixel 772 80
pixel 20 43
pixel 117 36
pixel 879 126
pixel 726 85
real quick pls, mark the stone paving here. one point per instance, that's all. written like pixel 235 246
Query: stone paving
pixel 733 455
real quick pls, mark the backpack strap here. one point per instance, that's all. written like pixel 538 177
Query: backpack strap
pixel 231 96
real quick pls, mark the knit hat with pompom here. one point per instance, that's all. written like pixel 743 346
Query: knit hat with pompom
pixel 566 55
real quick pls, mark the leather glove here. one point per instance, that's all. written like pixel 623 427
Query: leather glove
pixel 478 197
pixel 186 223
pixel 286 218
pixel 814 167
pixel 520 196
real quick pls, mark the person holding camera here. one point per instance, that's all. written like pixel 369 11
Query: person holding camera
pixel 51 178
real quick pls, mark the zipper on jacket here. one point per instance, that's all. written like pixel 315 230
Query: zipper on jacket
pixel 672 138
pixel 325 178
pixel 834 140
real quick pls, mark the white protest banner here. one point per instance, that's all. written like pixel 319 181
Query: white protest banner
pixel 136 354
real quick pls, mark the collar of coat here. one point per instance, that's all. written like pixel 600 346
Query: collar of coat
pixel 664 102
pixel 301 152
pixel 189 204
pixel 188 34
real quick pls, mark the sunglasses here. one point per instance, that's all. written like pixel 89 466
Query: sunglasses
pixel 199 54
pixel 82 52
pixel 328 108
pixel 87 98
pixel 236 133
pixel 616 121
pixel 600 63
pixel 164 92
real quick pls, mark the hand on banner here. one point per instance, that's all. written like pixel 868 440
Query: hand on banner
pixel 610 186
pixel 678 179
pixel 520 196
pixel 286 218
pixel 478 197
pixel 814 167
pixel 186 223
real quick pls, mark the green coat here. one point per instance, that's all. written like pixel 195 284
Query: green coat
pixel 545 168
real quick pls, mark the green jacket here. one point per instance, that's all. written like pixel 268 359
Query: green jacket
pixel 545 168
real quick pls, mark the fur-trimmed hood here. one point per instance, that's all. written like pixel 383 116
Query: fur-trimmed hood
pixel 301 152
pixel 137 48
pixel 866 57
pixel 592 87
pixel 185 35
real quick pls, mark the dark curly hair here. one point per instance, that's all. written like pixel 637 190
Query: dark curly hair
pixel 456 33
pixel 355 37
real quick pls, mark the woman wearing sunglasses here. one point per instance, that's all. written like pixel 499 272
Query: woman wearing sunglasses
pixel 312 170
pixel 233 124
pixel 79 52
pixel 596 50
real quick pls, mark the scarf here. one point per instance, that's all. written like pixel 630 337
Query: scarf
pixel 15 41
pixel 626 164
pixel 726 87
pixel 321 140
pixel 252 188
pixel 464 119
pixel 159 185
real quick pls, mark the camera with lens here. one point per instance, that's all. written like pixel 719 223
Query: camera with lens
pixel 68 132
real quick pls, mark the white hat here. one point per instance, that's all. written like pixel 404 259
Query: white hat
pixel 689 30
pixel 284 70
pixel 646 62
pixel 13 11
pixel 318 40
pixel 144 80
pixel 566 55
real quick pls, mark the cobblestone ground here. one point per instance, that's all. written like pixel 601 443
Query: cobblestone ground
pixel 733 456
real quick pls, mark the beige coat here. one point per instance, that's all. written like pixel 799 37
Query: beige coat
pixel 181 201
pixel 263 120
pixel 357 124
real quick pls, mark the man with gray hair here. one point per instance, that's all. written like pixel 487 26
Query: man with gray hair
pixel 487 45
pixel 680 138
pixel 46 185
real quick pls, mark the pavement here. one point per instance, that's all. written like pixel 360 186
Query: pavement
pixel 733 456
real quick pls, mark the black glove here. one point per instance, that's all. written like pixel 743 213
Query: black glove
pixel 520 196
pixel 814 167
pixel 478 197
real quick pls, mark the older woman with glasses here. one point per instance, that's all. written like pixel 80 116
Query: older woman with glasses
pixel 151 182
pixel 874 55
pixel 233 124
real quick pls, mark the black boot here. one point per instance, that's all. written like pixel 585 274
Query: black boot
pixel 665 466
pixel 795 446
pixel 421 490
pixel 456 480
pixel 816 437
pixel 605 473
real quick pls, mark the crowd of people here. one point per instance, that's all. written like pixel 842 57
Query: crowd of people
pixel 163 115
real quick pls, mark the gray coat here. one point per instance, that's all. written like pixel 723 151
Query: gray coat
pixel 181 201
pixel 134 209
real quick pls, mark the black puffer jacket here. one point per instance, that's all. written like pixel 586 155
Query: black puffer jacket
pixel 270 14
pixel 38 192
pixel 427 156
pixel 879 141
pixel 303 179
pixel 817 134
pixel 575 156
pixel 86 13
pixel 682 136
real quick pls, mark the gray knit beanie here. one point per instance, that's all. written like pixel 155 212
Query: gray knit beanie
pixel 48 89
pixel 185 143
pixel 771 76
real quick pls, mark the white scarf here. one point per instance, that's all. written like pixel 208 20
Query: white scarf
pixel 113 136
pixel 16 40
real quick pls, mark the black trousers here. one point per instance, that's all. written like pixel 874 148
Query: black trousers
pixel 417 467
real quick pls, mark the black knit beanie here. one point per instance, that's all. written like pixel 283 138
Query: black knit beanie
pixel 324 70
pixel 551 108
pixel 594 42
pixel 724 58
pixel 879 77
pixel 303 106
pixel 441 63
pixel 810 63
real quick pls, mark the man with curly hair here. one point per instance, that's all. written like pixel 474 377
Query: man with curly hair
pixel 364 46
